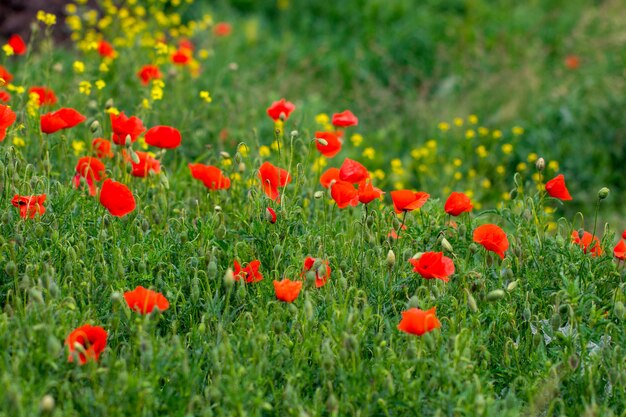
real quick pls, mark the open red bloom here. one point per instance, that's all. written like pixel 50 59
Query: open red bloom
pixel 92 170
pixel 330 175
pixel 250 273
pixel 344 194
pixel 17 44
pixel 64 118
pixel 165 137
pixel 182 56
pixel 273 177
pixel 222 29
pixel 345 119
pixel 322 273
pixel 5 75
pixel 87 342
pixel 212 177
pixel 117 198
pixel 367 192
pixel 556 188
pixel 457 203
pixel 280 109
pixel 102 148
pixel 29 205
pixel 418 322
pixel 589 243
pixel 143 300
pixel 407 200
pixel 106 50
pixel 147 164
pixel 333 144
pixel 7 118
pixel 353 172
pixel 148 73
pixel 45 94
pixel 287 290
pixel 126 126
pixel 4 96
pixel 619 251
pixel 492 238
pixel 433 265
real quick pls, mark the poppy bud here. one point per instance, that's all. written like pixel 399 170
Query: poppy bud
pixel 391 259
pixel 241 167
pixel 555 321
pixel 512 285
pixel 413 302
pixel 540 164
pixel 308 309
pixel 417 256
pixel 446 245
pixel 270 215
pixel 229 278
pixel 127 142
pixel 108 104
pixel 495 295
pixel 10 268
pixel 620 310
pixel 36 295
pixel 220 232
pixel 318 195
pixel 310 278
pixel 225 155
pixel 95 125
pixel 277 250
pixel 218 209
pixel 573 361
pixel 47 404
pixel 332 404
pixel 526 313
pixel 471 302
pixel 322 142
pixel 350 343
pixel 480 404
pixel 211 270
pixel 603 193
pixel 581 233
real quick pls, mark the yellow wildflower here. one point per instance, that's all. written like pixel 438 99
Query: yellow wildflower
pixel 472 119
pixel 458 121
pixel 517 130
pixel 79 67
pixel 78 146
pixel 507 148
pixel 369 153
pixel 206 96
pixel 356 139
pixel 264 151
pixel 19 142
pixel 443 126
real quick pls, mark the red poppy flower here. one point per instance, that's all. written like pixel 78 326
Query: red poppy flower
pixel 117 198
pixel 492 238
pixel 589 243
pixel 7 118
pixel 619 251
pixel 143 300
pixel 330 175
pixel 457 203
pixel 64 118
pixel 367 192
pixel 572 62
pixel 333 144
pixel 148 73
pixel 270 215
pixel 124 126
pixel 345 119
pixel 5 97
pixel 102 148
pixel 5 75
pixel 287 290
pixel 45 94
pixel 556 188
pixel 320 280
pixel 433 265
pixel 165 137
pixel 353 172
pixel 280 109
pixel 344 194
pixel 87 342
pixel 212 177
pixel 185 43
pixel 106 50
pixel 222 29
pixel 273 177
pixel 29 205
pixel 17 43
pixel 250 273
pixel 418 322
pixel 182 56
pixel 624 234
pixel 407 200
pixel 92 170
pixel 147 164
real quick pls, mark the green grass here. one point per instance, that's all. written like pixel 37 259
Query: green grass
pixel 552 343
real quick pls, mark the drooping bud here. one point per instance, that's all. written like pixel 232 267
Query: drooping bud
pixel 446 245
pixel 603 193
pixel 540 164
pixel 318 195
pixel 95 125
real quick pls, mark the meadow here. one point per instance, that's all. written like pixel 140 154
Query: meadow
pixel 282 208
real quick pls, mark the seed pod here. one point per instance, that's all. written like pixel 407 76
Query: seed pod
pixel 495 295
